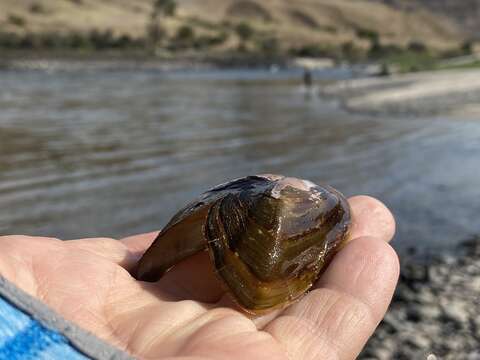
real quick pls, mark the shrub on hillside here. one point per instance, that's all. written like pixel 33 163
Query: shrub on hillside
pixel 368 34
pixel 379 51
pixel 467 47
pixel 165 7
pixel 244 31
pixel 101 39
pixel 351 53
pixel 417 46
pixel 9 40
pixel 98 40
pixel 37 8
pixel 155 33
pixel 269 46
pixel 314 51
pixel 185 34
pixel 16 20
pixel 206 41
pixel 183 39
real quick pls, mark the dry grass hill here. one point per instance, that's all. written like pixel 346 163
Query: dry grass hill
pixel 328 22
pixel 466 13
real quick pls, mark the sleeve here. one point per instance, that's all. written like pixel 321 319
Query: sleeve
pixel 30 330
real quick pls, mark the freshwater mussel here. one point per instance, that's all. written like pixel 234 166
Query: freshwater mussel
pixel 268 236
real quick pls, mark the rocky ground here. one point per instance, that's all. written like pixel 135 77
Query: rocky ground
pixel 435 313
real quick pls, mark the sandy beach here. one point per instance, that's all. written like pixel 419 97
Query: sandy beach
pixel 453 92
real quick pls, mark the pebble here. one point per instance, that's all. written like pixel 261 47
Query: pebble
pixel 475 284
pixel 382 354
pixel 428 311
pixel 437 275
pixel 418 341
pixel 474 355
pixel 455 311
pixel 476 326
pixel 425 296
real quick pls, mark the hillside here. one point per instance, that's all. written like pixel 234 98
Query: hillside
pixel 330 23
pixel 465 13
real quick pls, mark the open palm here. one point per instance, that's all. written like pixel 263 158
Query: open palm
pixel 187 315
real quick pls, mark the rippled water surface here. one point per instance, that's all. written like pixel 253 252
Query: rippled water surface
pixel 111 153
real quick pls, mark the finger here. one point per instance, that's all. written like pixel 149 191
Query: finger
pixel 195 277
pixel 192 278
pixel 371 218
pixel 106 248
pixel 138 244
pixel 335 320
pixel 126 252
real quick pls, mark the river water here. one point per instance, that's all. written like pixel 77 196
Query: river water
pixel 114 153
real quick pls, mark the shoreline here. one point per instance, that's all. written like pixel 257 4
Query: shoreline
pixel 132 60
pixel 441 92
pixel 435 309
pixel 453 93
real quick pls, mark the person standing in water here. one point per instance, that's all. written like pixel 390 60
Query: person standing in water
pixel 307 78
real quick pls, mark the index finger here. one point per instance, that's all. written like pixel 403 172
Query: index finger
pixel 138 244
pixel 371 218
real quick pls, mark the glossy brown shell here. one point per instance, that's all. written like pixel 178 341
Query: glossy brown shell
pixel 269 237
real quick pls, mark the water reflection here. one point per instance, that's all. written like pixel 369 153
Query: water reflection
pixel 116 153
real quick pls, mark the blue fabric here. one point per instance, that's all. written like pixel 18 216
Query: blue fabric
pixel 12 321
pixel 22 337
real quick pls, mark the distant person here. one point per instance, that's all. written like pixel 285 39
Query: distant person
pixel 186 314
pixel 385 70
pixel 307 78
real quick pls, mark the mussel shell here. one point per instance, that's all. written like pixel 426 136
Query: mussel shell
pixel 269 237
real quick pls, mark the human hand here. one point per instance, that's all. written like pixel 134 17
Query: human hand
pixel 187 315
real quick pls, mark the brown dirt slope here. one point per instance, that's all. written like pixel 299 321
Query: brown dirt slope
pixel 465 13
pixel 328 22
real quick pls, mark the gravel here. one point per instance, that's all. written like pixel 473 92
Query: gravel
pixel 435 312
